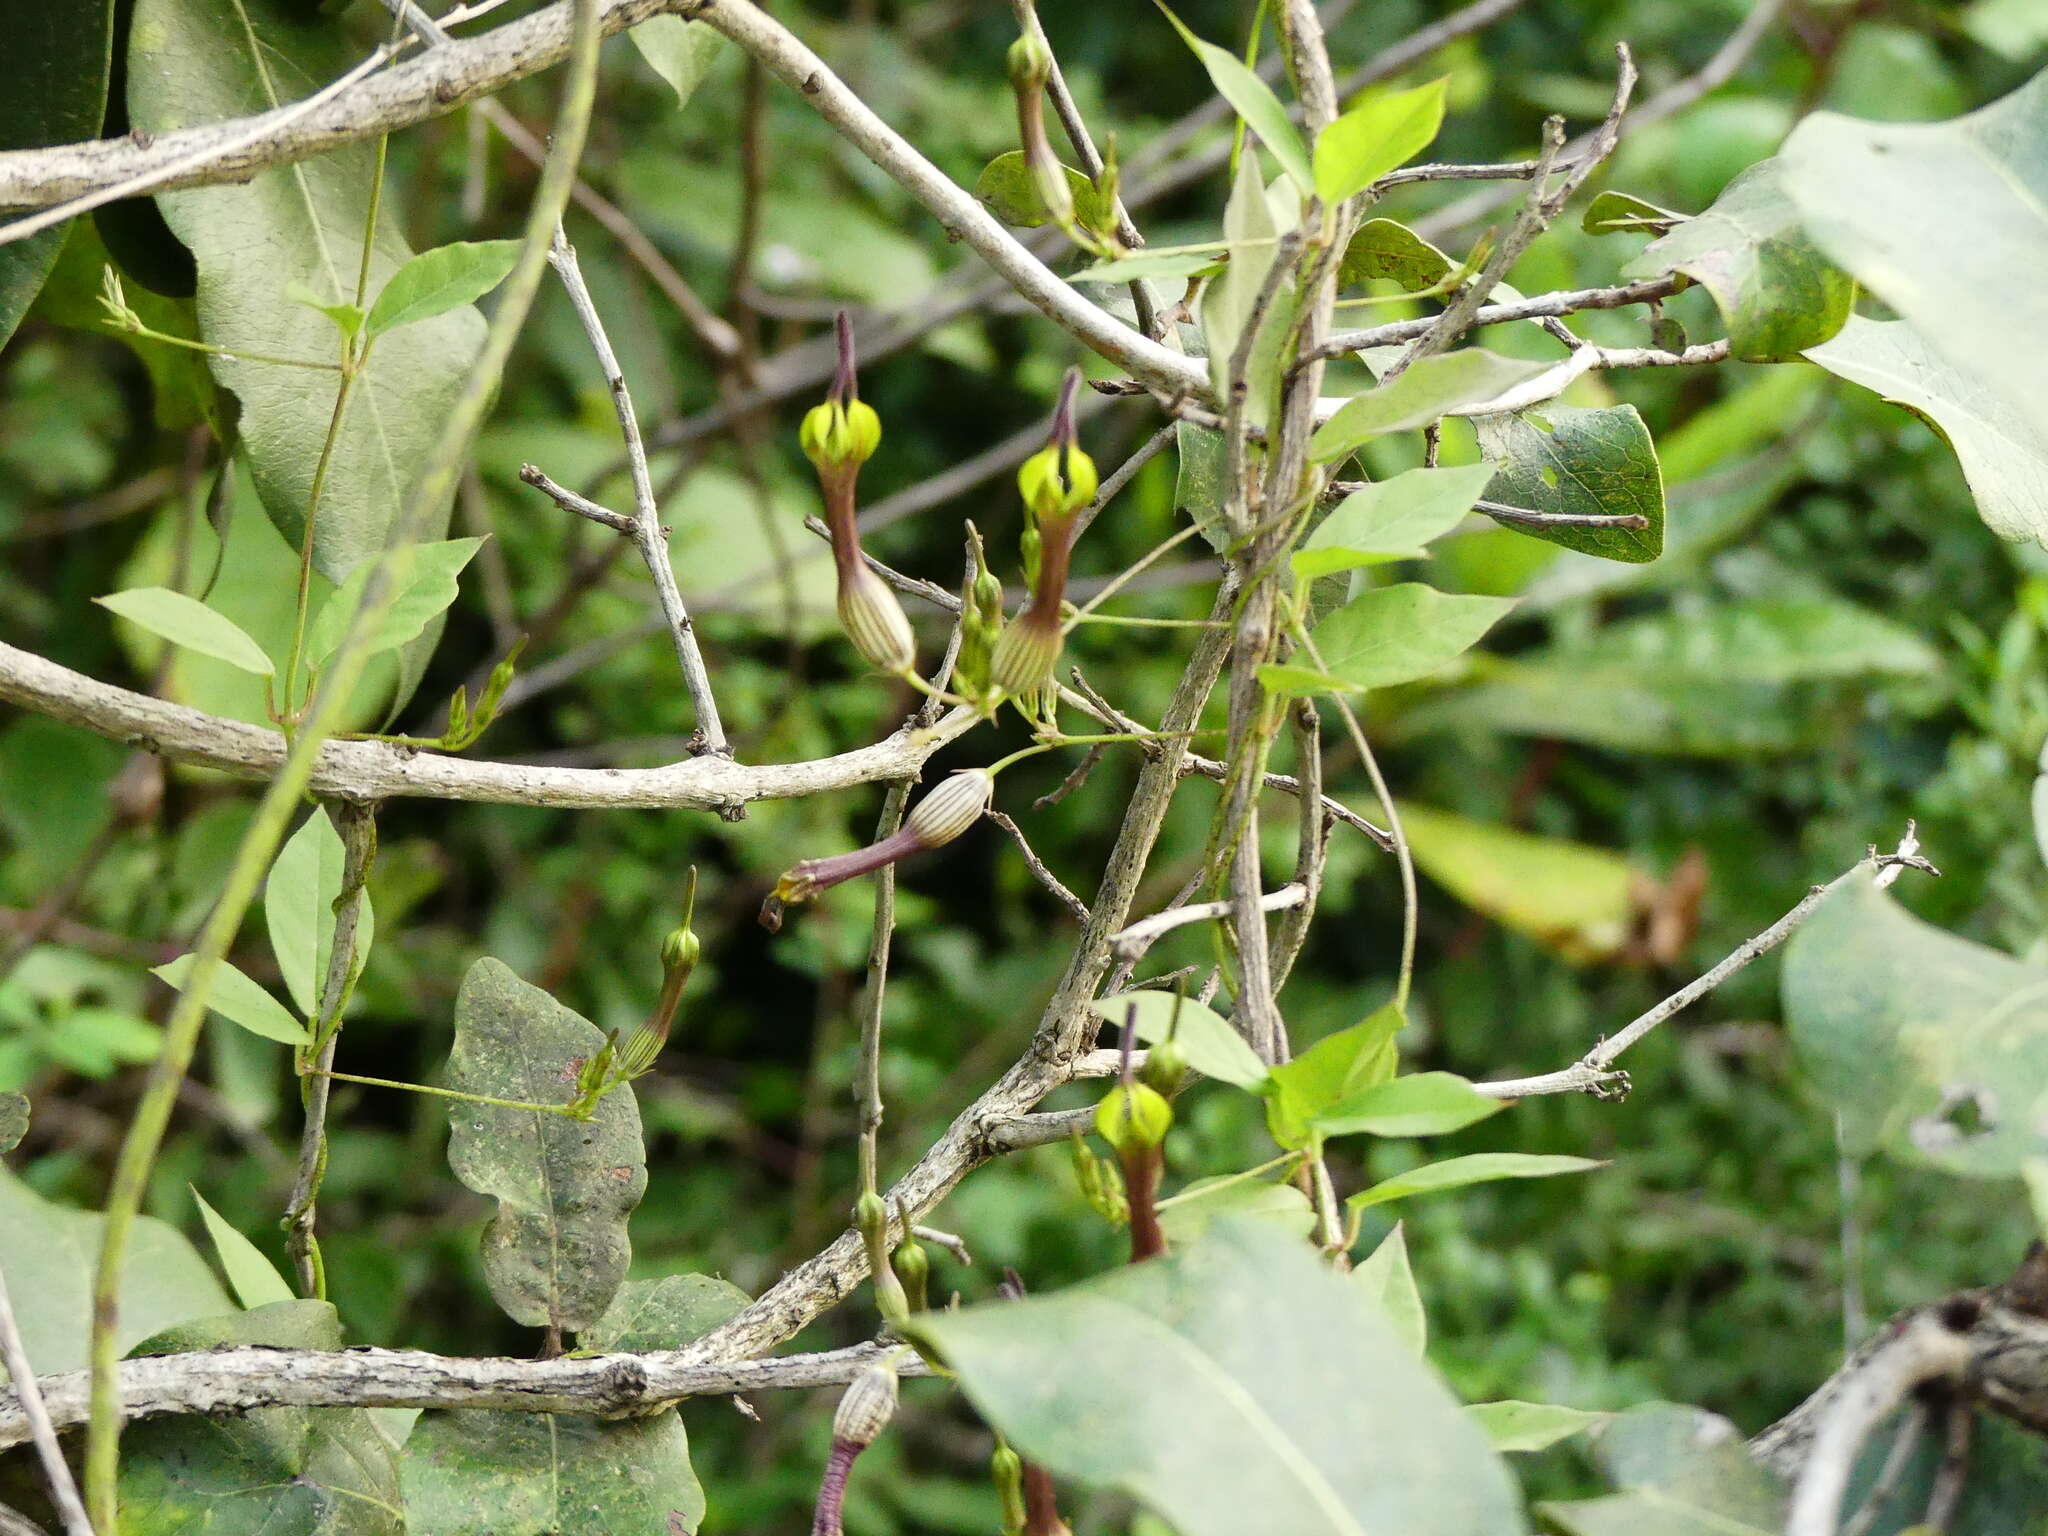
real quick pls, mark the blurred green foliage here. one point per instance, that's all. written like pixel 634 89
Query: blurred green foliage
pixel 1711 1262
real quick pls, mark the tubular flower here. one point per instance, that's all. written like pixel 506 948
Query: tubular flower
pixel 1030 67
pixel 838 437
pixel 1057 482
pixel 940 817
pixel 864 1411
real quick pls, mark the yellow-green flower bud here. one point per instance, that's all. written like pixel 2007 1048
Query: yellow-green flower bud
pixel 913 1267
pixel 951 808
pixel 840 436
pixel 874 621
pixel 1006 1469
pixel 1133 1116
pixel 1029 63
pixel 1166 1067
pixel 1058 479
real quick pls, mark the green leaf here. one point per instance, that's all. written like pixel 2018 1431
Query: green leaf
pixel 1457 1172
pixel 195 62
pixel 2004 455
pixel 58 59
pixel 681 52
pixel 1421 1104
pixel 1561 458
pixel 1386 1276
pixel 476 1472
pixel 1381 248
pixel 1005 187
pixel 240 1001
pixel 446 278
pixel 1892 1018
pixel 1567 896
pixel 1212 1047
pixel 557 1249
pixel 666 1313
pixel 1517 1426
pixel 1618 212
pixel 1387 129
pixel 1198 482
pixel 1625 710
pixel 49 1258
pixel 1328 1072
pixel 1763 640
pixel 1397 634
pixel 298 909
pixel 1254 101
pixel 271 1472
pixel 1421 395
pixel 14 1118
pixel 188 622
pixel 1864 190
pixel 1391 519
pixel 1317 1420
pixel 1251 229
pixel 1189 1213
pixel 256 1283
pixel 424 581
pixel 347 318
pixel 1151 264
pixel 1776 293
pixel 1687 1473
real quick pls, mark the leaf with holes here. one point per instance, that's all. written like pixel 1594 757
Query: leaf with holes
pixel 196 62
pixel 1777 294
pixel 1565 459
pixel 1382 248
pixel 1318 1421
pixel 557 1249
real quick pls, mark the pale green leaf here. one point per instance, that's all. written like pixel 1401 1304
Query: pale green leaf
pixel 664 1313
pixel 435 282
pixel 478 1472
pixel 190 623
pixel 1391 519
pixel 1518 1426
pixel 14 1119
pixel 240 1000
pixel 1386 1276
pixel 681 52
pixel 255 1282
pixel 1613 212
pixel 1212 1047
pixel 1328 1072
pixel 1421 1104
pixel 1569 896
pixel 1457 1172
pixel 1255 102
pixel 1318 1421
pixel 1397 634
pixel 424 579
pixel 2004 455
pixel 1189 1213
pixel 557 1249
pixel 1007 189
pixel 1151 264
pixel 1387 129
pixel 347 318
pixel 1684 1472
pixel 1777 294
pixel 298 909
pixel 1422 394
pixel 1564 459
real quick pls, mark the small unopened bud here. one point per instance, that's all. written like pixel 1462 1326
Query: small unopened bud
pixel 1029 63
pixel 1102 1184
pixel 1133 1116
pixel 952 808
pixel 874 620
pixel 981 620
pixel 1006 1470
pixel 867 1406
pixel 913 1267
pixel 1166 1066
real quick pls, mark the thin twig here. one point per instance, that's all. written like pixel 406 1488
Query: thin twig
pixel 648 534
pixel 36 1418
pixel 1594 1072
pixel 1143 934
pixel 1501 512
pixel 1036 865
pixel 570 501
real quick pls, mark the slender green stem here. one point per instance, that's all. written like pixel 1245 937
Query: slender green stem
pixel 1210 1187
pixel 1125 577
pixel 1136 621
pixel 231 353
pixel 445 1093
pixel 274 810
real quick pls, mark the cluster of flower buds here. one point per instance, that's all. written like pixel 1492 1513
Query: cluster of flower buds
pixel 981 621
pixel 937 819
pixel 1057 483
pixel 865 1409
pixel 838 437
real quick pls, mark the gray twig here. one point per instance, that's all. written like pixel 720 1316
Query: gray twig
pixel 35 1418
pixel 1036 865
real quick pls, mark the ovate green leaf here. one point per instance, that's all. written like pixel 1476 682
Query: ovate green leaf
pixel 1397 634
pixel 188 622
pixel 1211 1046
pixel 557 1249
pixel 298 908
pixel 443 279
pixel 256 1283
pixel 679 51
pixel 665 1313
pixel 424 581
pixel 1330 1071
pixel 1421 1104
pixel 1421 395
pixel 1255 102
pixel 1318 1421
pixel 240 1000
pixel 1386 1276
pixel 1387 129
pixel 1457 1172
pixel 1561 458
pixel 1569 896
pixel 1151 264
pixel 1515 1426
pixel 1391 519
pixel 1612 212
pixel 14 1118
pixel 1381 248
pixel 1005 187
pixel 1777 294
